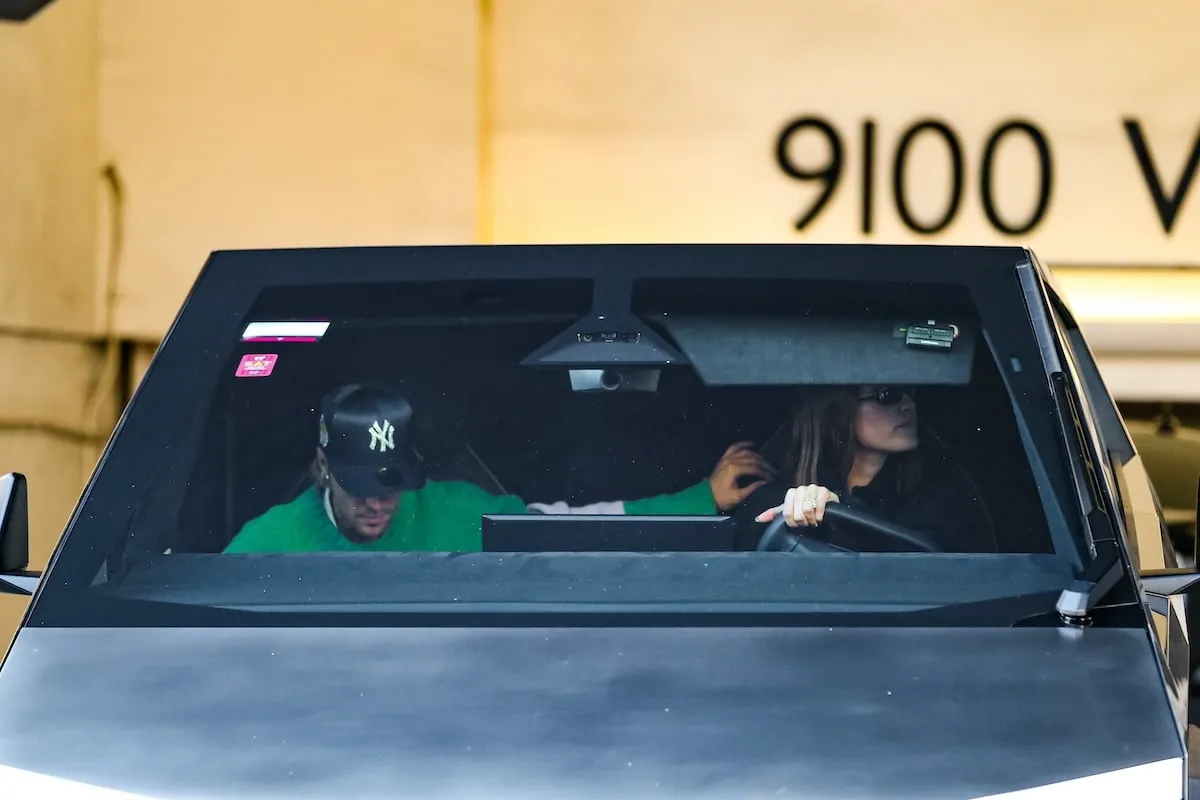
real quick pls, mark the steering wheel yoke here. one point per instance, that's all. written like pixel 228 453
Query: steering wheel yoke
pixel 778 537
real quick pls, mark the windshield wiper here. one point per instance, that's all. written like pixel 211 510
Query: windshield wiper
pixel 1082 595
pixel 1102 573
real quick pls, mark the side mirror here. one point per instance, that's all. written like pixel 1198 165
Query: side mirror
pixel 14 536
pixel 1196 530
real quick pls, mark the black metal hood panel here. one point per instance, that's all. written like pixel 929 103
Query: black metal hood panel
pixel 243 714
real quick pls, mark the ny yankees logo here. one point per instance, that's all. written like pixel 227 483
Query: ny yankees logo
pixel 384 436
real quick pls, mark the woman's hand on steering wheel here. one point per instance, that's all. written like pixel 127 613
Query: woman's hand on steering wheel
pixel 801 507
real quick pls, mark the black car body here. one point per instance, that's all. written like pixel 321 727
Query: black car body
pixel 1055 665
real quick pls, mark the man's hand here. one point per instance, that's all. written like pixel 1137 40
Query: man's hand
pixel 738 462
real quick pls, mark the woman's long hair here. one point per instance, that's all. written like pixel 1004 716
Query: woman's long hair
pixel 824 440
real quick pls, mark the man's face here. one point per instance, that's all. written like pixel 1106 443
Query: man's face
pixel 365 517
pixel 361 519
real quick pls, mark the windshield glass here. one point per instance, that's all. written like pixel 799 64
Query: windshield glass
pixel 708 446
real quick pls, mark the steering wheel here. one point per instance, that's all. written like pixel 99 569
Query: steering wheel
pixel 778 537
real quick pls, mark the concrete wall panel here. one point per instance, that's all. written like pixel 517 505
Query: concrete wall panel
pixel 277 123
pixel 48 170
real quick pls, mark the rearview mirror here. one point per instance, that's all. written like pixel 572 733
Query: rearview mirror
pixel 14 536
pixel 636 379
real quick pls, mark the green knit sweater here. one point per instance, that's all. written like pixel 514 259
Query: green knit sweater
pixel 444 516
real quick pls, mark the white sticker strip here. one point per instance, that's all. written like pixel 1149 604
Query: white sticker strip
pixel 284 331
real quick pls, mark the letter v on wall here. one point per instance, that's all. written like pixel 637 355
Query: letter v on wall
pixel 1167 207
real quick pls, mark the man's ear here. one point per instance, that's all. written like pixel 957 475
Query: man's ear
pixel 320 468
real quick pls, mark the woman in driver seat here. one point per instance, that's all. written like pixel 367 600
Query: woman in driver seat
pixel 861 446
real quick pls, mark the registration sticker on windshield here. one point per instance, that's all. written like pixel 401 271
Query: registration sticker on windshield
pixel 257 366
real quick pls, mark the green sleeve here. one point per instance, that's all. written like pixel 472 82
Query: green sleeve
pixel 694 501
pixel 455 515
pixel 273 532
pixel 503 504
pixel 254 537
pixel 476 501
pixel 293 527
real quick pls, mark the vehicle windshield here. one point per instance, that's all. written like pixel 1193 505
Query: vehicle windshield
pixel 515 446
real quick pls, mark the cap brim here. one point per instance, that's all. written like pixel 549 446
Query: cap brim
pixel 402 474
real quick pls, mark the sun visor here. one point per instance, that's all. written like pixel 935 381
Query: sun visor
pixel 741 350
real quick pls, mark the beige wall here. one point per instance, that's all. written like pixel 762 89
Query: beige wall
pixel 657 120
pixel 54 401
pixel 271 123
pixel 276 123
pixel 48 168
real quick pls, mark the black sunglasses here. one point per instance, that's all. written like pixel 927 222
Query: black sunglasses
pixel 889 395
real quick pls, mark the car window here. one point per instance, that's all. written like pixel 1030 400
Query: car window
pixel 1149 541
pixel 522 400
pixel 1108 417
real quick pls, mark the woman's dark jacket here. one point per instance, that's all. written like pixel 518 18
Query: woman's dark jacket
pixel 945 507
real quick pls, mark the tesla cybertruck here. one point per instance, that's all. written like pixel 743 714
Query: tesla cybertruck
pixel 577 640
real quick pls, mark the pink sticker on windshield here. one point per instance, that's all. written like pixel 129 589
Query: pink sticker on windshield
pixel 257 366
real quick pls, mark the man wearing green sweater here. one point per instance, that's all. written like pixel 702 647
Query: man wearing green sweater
pixel 371 492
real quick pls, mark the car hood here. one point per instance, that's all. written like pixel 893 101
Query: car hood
pixel 566 713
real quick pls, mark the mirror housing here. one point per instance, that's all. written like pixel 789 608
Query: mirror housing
pixel 14 523
pixel 21 10
pixel 14 536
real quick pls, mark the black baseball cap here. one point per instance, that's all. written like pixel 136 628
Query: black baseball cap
pixel 366 434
